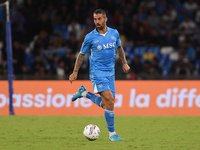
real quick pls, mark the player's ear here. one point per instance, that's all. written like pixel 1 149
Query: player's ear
pixel 106 19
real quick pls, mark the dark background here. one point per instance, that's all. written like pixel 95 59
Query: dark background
pixel 160 37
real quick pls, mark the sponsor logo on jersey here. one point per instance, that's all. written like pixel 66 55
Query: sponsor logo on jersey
pixel 99 47
pixel 108 45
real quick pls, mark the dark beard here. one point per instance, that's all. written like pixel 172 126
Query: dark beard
pixel 100 28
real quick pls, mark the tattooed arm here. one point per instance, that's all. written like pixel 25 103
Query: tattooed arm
pixel 122 56
pixel 78 63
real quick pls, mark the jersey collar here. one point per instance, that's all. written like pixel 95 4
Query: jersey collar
pixel 97 32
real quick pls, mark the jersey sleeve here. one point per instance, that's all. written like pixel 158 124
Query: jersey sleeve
pixel 118 42
pixel 85 46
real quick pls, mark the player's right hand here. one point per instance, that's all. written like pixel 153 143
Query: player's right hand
pixel 73 76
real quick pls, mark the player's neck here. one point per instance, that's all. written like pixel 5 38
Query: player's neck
pixel 103 31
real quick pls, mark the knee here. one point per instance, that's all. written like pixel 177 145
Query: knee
pixel 110 100
pixel 109 103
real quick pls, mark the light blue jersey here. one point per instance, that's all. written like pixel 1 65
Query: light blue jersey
pixel 101 52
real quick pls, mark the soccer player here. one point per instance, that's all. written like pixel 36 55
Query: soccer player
pixel 102 44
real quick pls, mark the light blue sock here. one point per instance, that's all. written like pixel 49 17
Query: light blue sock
pixel 110 119
pixel 95 99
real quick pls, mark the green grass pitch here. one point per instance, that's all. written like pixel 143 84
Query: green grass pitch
pixel 66 133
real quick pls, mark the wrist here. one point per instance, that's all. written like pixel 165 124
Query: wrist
pixel 75 71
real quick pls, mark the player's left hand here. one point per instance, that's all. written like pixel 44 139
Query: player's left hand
pixel 126 68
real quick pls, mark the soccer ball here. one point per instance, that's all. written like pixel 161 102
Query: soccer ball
pixel 91 132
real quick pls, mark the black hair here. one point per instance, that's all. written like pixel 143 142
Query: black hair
pixel 100 11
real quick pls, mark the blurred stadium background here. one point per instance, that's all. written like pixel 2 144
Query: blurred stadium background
pixel 160 37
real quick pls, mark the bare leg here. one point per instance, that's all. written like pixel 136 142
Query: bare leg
pixel 108 100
